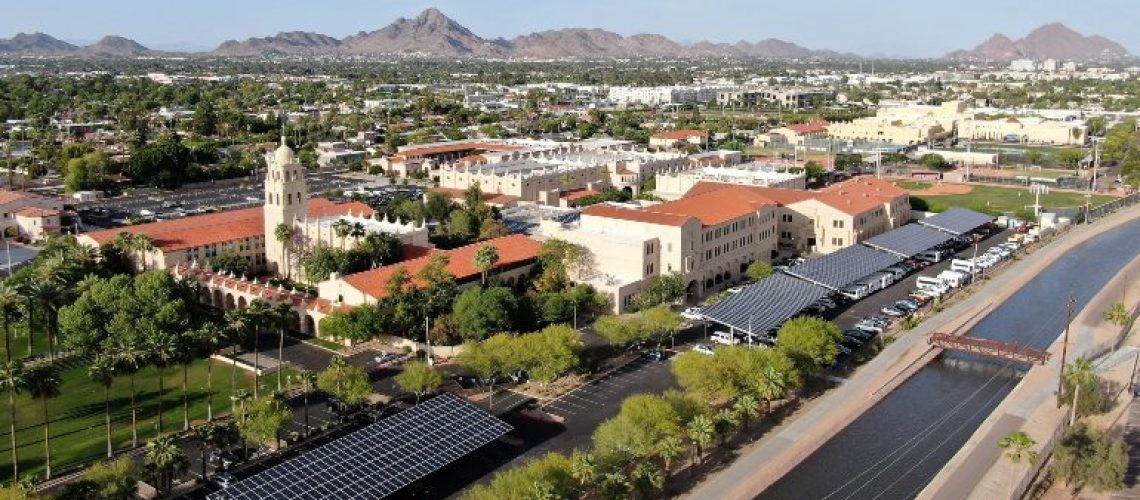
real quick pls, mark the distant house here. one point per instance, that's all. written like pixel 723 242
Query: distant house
pixel 27 214
pixel 796 134
pixel 679 138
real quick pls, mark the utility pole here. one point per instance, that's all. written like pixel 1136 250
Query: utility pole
pixel 1065 345
pixel 427 340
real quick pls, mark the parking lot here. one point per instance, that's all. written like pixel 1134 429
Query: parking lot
pixel 111 212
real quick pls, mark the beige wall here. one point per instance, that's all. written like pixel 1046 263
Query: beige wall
pixel 883 130
pixel 833 229
pixel 1043 132
pixel 38 228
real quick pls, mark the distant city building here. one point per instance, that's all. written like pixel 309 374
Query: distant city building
pixel 679 139
pixel 1023 65
pixel 1025 130
pixel 671 186
pixel 786 98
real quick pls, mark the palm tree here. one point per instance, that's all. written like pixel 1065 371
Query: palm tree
pixel 203 436
pixel 357 231
pixel 485 259
pixel 700 432
pixel 1080 373
pixel 189 348
pixel 166 460
pixel 130 356
pixel 43 384
pixel 342 228
pixel 238 326
pixel 1018 443
pixel 12 381
pixel 584 469
pixel 143 244
pixel 9 313
pixel 284 234
pixel 307 379
pixel 260 312
pixel 747 407
pixel 211 337
pixel 164 349
pixel 648 478
pixel 283 316
pixel 1118 315
pixel 669 449
pixel 237 401
pixel 724 422
pixel 102 372
pixel 51 296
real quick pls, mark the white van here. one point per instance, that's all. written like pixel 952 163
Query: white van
pixel 932 256
pixel 855 292
pixel 954 278
pixel 931 283
pixel 963 266
pixel 725 338
pixel 896 272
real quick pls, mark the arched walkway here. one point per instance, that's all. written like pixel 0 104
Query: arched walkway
pixel 230 301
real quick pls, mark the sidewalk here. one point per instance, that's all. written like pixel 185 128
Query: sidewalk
pixel 761 465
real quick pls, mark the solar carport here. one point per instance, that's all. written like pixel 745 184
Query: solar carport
pixel 843 267
pixel 909 240
pixel 765 304
pixel 379 459
pixel 956 220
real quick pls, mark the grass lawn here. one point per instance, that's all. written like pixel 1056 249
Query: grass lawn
pixel 77 426
pixel 913 185
pixel 996 200
pixel 1045 173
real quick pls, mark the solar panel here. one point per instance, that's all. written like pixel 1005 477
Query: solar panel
pixel 765 304
pixel 957 220
pixel 909 240
pixel 843 267
pixel 379 459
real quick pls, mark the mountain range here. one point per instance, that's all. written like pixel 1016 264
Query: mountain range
pixel 432 33
pixel 1051 41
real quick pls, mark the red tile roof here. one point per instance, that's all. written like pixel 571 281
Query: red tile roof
pixel 488 198
pixel 513 249
pixel 680 135
pixel 809 128
pixel 36 212
pixel 612 212
pixel 854 196
pixel 718 206
pixel 221 227
pixel 575 194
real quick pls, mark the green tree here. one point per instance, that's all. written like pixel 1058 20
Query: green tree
pixel 113 480
pixel 1080 376
pixel 810 342
pixel 1070 158
pixel 480 312
pixel 758 270
pixel 43 383
pixel 554 351
pixel 643 421
pixel 661 289
pixel 9 313
pixel 164 460
pixel 130 356
pixel 13 381
pixel 307 380
pixel 934 161
pixel 419 379
pixel 102 372
pixel 1116 314
pixel 261 420
pixel 485 259
pixel 284 234
pixel 346 382
pixel 1018 446
pixel 700 432
pixel 1087 457
pixel 747 407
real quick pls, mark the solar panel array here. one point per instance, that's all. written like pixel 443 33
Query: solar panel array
pixel 765 304
pixel 843 267
pixel 957 220
pixel 909 240
pixel 380 459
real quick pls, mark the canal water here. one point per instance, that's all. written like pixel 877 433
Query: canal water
pixel 893 450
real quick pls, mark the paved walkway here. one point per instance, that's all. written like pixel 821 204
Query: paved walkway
pixel 772 457
pixel 1132 437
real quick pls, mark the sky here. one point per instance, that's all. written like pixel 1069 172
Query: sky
pixel 908 28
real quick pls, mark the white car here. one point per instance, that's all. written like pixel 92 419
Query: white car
pixel 692 314
pixel 703 349
pixel 736 289
pixel 725 338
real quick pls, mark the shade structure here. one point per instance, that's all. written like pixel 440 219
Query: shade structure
pixel 843 267
pixel 379 459
pixel 765 304
pixel 909 240
pixel 957 220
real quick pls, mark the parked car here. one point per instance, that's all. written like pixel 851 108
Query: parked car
pixel 221 459
pixel 223 480
pixel 736 289
pixel 653 355
pixel 869 326
pixel 692 314
pixel 907 305
pixel 725 338
pixel 858 334
pixel 703 349
pixel 892 311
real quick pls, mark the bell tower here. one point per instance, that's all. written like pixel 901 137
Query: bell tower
pixel 286 201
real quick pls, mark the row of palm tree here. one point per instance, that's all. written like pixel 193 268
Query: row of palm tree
pixel 42 383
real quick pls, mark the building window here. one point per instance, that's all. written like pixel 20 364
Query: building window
pixel 838 224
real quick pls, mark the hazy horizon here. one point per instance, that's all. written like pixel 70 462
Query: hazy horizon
pixel 885 27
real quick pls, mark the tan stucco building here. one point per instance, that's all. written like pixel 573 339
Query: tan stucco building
pixel 1025 130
